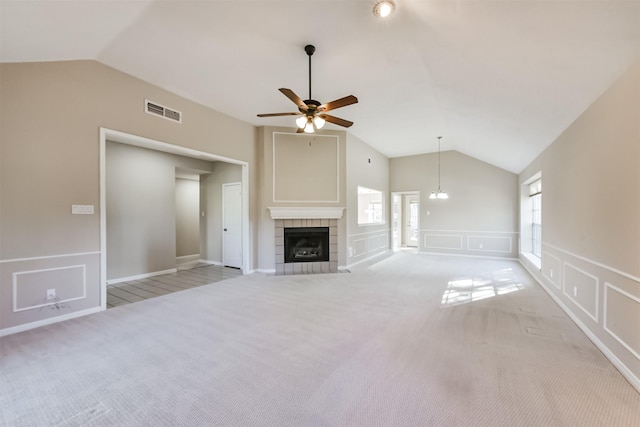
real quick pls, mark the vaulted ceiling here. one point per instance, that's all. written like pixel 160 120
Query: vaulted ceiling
pixel 498 79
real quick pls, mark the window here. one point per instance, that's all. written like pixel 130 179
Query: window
pixel 370 206
pixel 535 194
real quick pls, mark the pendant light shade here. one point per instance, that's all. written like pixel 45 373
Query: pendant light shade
pixel 439 194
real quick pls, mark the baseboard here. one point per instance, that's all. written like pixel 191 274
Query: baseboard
pixel 141 276
pixel 624 370
pixel 187 258
pixel 365 260
pixel 45 322
pixel 206 261
pixel 469 255
pixel 268 272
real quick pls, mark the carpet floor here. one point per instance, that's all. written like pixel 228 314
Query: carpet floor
pixel 412 340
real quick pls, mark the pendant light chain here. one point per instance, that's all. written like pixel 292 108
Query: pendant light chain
pixel 440 194
pixel 439 138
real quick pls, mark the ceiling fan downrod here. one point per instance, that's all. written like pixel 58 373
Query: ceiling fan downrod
pixel 310 49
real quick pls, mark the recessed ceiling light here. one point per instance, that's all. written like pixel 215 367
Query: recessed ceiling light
pixel 384 8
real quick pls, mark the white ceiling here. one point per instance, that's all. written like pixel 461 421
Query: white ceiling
pixel 499 80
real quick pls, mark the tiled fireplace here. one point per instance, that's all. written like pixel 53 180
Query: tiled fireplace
pixel 301 244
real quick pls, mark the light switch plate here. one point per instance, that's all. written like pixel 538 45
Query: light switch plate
pixel 82 209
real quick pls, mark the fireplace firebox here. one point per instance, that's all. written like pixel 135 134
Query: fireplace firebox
pixel 306 244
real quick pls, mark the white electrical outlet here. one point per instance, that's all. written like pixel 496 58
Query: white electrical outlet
pixel 575 291
pixel 51 294
pixel 481 245
pixel 551 273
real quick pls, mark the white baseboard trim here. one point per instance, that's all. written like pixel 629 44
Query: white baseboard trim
pixel 469 255
pixel 45 322
pixel 141 276
pixel 206 261
pixel 187 258
pixel 365 260
pixel 624 370
pixel 267 271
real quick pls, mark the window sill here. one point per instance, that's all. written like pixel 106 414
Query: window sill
pixel 537 262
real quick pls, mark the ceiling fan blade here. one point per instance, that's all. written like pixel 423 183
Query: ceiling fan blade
pixel 279 114
pixel 295 98
pixel 342 102
pixel 336 120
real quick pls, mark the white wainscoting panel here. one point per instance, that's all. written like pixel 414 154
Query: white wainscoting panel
pixel 501 244
pixel 622 317
pixel 30 287
pixel 581 288
pixel 443 241
pixel 552 268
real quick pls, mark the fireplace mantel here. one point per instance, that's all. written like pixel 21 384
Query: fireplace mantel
pixel 306 212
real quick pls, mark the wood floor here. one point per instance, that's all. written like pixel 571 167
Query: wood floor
pixel 191 277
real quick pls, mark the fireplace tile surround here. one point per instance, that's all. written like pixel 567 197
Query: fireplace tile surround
pixel 330 266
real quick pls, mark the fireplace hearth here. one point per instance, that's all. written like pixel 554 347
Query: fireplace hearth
pixel 306 244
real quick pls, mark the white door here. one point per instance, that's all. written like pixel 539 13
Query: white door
pixel 232 225
pixel 412 213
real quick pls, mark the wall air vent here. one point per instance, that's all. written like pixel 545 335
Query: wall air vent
pixel 156 109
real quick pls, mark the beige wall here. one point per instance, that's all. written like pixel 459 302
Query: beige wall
pixel 368 168
pixel 50 160
pixel 299 170
pixel 211 197
pixel 591 222
pixel 142 213
pixel 187 218
pixel 481 215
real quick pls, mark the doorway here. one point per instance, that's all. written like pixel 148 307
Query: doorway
pixel 406 220
pixel 232 225
pixel 242 214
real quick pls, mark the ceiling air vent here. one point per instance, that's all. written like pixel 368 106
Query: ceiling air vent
pixel 162 111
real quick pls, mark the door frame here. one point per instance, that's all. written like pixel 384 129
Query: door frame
pixel 139 141
pixel 397 242
pixel 224 219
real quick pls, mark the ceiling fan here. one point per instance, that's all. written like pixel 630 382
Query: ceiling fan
pixel 312 113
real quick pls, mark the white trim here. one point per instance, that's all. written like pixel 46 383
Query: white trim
pixel 139 141
pixel 557 283
pixel 370 258
pixel 273 168
pixel 141 276
pixel 596 263
pixel 385 230
pixel 535 177
pixel 533 259
pixel 226 185
pixel 469 231
pixel 306 213
pixel 564 288
pixel 15 275
pixel 624 370
pixel 187 258
pixel 45 322
pixel 608 285
pixel 48 257
pixel 206 261
pixel 439 247
pixel 490 250
pixel 468 255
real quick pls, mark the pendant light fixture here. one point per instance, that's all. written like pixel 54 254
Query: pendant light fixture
pixel 439 194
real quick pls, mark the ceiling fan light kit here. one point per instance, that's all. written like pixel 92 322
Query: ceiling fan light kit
pixel 313 114
pixel 384 8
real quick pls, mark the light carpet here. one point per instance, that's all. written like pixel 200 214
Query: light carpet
pixel 413 340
